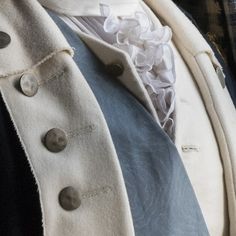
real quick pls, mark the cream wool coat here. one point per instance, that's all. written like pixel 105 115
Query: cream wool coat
pixel 206 144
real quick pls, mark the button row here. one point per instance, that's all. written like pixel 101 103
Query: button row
pixel 55 141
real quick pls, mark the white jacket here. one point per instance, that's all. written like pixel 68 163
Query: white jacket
pixel 205 116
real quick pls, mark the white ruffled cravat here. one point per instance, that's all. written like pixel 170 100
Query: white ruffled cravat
pixel 153 58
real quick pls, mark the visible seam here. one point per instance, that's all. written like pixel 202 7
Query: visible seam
pixel 49 56
pixel 215 111
pixel 228 160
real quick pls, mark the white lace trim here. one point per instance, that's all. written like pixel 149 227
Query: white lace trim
pixel 152 56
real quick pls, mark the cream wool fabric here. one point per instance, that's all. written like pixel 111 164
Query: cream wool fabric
pixel 201 61
pixel 189 129
pixel 200 153
pixel 211 195
pixel 55 51
pixel 59 104
pixel 196 141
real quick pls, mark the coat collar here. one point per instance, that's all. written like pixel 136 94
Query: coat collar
pixel 35 37
pixel 185 33
pixel 89 7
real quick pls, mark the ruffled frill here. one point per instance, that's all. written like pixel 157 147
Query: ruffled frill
pixel 153 58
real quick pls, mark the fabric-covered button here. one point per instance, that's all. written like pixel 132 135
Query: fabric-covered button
pixel 29 84
pixel 69 199
pixel 5 39
pixel 115 69
pixel 55 140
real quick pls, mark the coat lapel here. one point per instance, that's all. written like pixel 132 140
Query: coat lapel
pixel 109 54
pixel 62 100
pixel 205 67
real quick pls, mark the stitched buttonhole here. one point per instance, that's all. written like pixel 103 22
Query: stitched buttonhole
pixel 190 148
pixel 96 192
pixel 56 76
pixel 82 131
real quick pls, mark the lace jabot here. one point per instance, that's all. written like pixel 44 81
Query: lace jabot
pixel 153 58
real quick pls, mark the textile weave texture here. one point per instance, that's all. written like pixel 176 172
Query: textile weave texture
pixel 161 198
